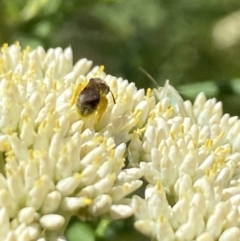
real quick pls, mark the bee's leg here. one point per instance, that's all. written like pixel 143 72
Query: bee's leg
pixel 77 90
pixel 102 106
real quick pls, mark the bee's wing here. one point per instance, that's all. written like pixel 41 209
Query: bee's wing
pixel 90 95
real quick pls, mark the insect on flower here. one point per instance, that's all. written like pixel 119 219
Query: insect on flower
pixel 91 98
pixel 170 92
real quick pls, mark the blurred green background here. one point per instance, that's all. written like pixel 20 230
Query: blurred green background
pixel 194 44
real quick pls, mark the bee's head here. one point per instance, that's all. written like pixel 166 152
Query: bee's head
pixel 102 86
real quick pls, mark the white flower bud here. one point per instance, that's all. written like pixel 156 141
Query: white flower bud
pixel 100 205
pixel 205 237
pixel 140 208
pixel 143 107
pixel 4 224
pixel 89 175
pixel 52 221
pixel 11 236
pixel 119 192
pixel 28 133
pixel 232 234
pixel 216 221
pixel 56 144
pixel 198 201
pixel 16 186
pixel 164 230
pixel 104 185
pixel 189 164
pixel 52 202
pixel 232 218
pixel 68 185
pixel 186 232
pixel 134 149
pixel 208 162
pixel 64 165
pixel 82 66
pixel 7 201
pixel 146 227
pixel 130 174
pixel 73 204
pixel 121 211
pixel 195 217
pixel 224 176
pixel 234 200
pixel 20 229
pixel 205 184
pixel 26 215
pixel 183 186
pixel 19 148
pixel 158 202
pixel 179 212
pixel 168 172
pixel 91 156
pixel 76 127
pixel 28 234
pixel 38 193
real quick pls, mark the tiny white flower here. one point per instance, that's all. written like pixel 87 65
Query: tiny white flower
pixel 121 211
pixel 73 204
pixel 230 234
pixel 26 215
pixel 205 237
pixel 52 221
pixel 100 205
pixel 51 202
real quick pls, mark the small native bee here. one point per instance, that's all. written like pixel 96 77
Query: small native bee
pixel 91 98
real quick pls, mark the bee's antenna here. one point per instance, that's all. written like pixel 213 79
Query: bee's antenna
pixel 113 97
pixel 148 75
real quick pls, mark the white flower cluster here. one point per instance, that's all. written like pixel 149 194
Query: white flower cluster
pixel 191 160
pixel 53 163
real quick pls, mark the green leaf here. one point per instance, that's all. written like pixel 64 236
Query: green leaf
pixel 77 231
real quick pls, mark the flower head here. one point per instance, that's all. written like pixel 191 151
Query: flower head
pixel 190 159
pixel 55 164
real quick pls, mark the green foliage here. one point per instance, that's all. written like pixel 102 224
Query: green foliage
pixel 171 40
pixel 78 231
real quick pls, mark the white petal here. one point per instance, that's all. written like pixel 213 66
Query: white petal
pixel 146 227
pixel 100 205
pixel 68 185
pixel 4 224
pixel 73 204
pixel 51 202
pixel 205 237
pixel 121 211
pixel 52 221
pixel 232 234
pixel 26 215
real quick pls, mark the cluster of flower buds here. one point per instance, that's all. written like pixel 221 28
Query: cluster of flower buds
pixel 70 148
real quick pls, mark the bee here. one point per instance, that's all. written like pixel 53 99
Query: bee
pixel 91 98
